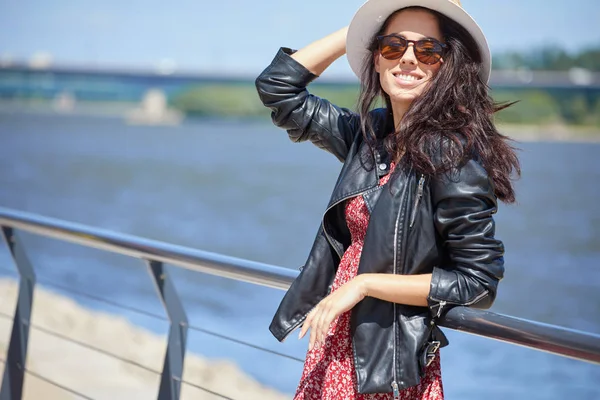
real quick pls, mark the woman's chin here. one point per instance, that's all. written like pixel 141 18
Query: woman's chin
pixel 403 97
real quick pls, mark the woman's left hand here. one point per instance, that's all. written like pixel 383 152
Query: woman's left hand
pixel 320 318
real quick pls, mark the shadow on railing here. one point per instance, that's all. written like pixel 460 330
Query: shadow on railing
pixel 554 339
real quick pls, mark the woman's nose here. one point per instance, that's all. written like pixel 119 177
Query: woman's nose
pixel 409 55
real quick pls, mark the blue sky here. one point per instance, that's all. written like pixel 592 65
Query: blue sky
pixel 241 36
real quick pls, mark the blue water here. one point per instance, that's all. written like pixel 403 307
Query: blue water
pixel 242 189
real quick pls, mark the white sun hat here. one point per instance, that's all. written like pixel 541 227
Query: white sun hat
pixel 370 17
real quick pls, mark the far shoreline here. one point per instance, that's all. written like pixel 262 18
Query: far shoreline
pixel 519 132
pixel 551 133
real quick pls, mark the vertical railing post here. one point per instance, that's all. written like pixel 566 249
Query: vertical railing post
pixel 172 373
pixel 14 368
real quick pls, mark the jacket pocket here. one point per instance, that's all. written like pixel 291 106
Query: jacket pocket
pixel 416 338
pixel 415 208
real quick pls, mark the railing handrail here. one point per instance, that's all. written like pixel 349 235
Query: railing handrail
pixel 148 249
pixel 550 338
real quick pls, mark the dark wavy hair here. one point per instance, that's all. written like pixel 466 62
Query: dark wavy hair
pixel 455 109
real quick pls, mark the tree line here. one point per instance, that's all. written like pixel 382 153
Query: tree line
pixel 579 106
pixel 548 58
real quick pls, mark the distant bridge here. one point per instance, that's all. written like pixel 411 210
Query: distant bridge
pixel 88 83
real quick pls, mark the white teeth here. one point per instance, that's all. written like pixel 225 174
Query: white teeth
pixel 406 77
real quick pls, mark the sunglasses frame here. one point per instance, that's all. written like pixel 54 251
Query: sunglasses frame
pixel 415 44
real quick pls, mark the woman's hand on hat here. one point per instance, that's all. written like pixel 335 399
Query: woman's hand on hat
pixel 318 55
pixel 322 316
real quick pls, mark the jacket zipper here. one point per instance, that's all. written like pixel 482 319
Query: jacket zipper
pixel 417 200
pixel 442 303
pixel 297 324
pixel 300 321
pixel 395 388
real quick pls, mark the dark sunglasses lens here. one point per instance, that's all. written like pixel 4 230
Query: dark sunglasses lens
pixel 392 48
pixel 428 51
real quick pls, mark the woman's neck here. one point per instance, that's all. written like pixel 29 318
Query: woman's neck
pixel 398 111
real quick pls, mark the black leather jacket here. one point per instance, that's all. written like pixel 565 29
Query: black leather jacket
pixel 419 224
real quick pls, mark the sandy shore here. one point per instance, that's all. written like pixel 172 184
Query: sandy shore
pixel 100 376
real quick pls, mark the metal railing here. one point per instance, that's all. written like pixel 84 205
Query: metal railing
pixel 553 339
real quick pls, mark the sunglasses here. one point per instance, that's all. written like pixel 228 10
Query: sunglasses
pixel 427 51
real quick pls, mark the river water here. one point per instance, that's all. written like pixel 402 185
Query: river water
pixel 241 188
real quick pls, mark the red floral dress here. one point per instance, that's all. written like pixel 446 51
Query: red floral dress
pixel 329 368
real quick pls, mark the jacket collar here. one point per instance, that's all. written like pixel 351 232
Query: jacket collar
pixel 361 173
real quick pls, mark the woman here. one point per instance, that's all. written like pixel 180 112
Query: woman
pixel 408 232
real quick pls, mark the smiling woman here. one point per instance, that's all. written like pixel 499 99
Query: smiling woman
pixel 406 61
pixel 409 230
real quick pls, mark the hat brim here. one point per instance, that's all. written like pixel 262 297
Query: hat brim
pixel 370 16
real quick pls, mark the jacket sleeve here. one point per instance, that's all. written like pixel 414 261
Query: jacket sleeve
pixel 282 88
pixel 463 204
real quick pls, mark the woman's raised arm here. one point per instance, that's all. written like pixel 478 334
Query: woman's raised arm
pixel 282 88
pixel 319 55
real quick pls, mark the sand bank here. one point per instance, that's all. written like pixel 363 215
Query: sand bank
pixel 100 376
